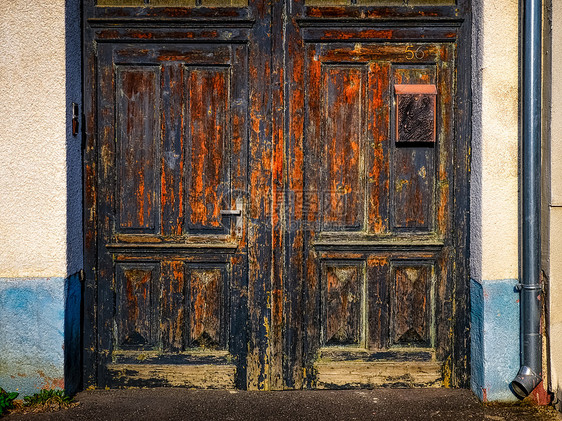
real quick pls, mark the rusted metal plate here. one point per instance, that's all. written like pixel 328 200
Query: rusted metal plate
pixel 415 113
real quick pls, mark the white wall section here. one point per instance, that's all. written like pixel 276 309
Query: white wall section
pixel 554 202
pixel 495 140
pixel 34 167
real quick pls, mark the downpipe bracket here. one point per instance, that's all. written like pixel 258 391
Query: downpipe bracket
pixel 528 287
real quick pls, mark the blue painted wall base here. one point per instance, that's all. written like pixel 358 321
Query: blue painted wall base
pixel 494 338
pixel 40 334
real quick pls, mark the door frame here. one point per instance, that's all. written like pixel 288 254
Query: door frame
pixel 269 142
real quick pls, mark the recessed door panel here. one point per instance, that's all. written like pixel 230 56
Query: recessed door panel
pixel 137 125
pixel 414 147
pixel 208 129
pixel 411 304
pixel 208 298
pixel 343 191
pixel 343 303
pixel 137 306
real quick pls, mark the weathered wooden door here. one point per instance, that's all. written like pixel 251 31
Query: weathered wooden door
pixel 172 142
pixel 276 193
pixel 377 165
pixel 377 228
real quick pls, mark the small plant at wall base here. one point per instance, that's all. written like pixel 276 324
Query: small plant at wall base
pixel 47 400
pixel 6 400
pixel 47 395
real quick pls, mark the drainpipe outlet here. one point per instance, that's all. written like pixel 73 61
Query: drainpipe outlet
pixel 525 382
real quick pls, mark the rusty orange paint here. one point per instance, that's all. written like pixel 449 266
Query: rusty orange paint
pixel 49 383
pixel 370 34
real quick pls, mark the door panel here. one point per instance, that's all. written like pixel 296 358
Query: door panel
pixel 207 172
pixel 137 126
pixel 170 118
pixel 411 304
pixel 343 303
pixel 341 99
pixel 136 306
pixel 208 295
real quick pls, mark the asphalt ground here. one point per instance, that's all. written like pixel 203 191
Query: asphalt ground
pixel 378 404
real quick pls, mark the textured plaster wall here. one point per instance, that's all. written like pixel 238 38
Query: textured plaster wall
pixel 494 223
pixel 39 331
pixel 40 195
pixel 39 165
pixel 494 173
pixel 554 202
pixel 495 341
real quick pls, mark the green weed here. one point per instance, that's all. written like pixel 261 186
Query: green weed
pixel 48 396
pixel 6 400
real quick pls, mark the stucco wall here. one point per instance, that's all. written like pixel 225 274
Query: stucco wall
pixel 40 331
pixel 494 175
pixel 34 183
pixel 40 195
pixel 554 202
pixel 494 224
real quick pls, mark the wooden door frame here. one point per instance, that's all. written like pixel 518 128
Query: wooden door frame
pixel 270 142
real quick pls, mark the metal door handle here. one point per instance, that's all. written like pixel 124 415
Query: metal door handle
pixel 237 212
pixel 231 212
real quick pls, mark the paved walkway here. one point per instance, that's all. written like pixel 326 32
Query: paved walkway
pixel 208 405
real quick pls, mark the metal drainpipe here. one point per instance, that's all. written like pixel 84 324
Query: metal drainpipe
pixel 529 375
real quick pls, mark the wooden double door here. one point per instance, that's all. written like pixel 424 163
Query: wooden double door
pixel 275 194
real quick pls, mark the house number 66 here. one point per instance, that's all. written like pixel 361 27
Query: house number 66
pixel 411 53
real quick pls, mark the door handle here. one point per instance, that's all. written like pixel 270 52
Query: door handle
pixel 231 212
pixel 236 212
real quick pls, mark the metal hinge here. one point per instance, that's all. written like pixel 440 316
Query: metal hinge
pixel 529 287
